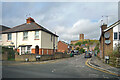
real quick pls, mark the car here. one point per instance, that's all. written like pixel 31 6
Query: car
pixel 76 52
pixel 87 55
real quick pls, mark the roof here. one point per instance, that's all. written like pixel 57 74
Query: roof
pixel 2 28
pixel 110 27
pixel 27 27
pixel 113 25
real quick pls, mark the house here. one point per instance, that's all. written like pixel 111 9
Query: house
pixel 30 37
pixel 2 28
pixel 110 37
pixel 63 46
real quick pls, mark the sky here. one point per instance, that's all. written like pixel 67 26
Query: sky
pixel 67 19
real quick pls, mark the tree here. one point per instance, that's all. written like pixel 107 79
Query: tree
pixel 78 43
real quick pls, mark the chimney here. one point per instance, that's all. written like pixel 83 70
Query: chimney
pixel 29 20
pixel 103 27
pixel 81 36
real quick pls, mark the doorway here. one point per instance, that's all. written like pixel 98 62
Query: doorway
pixel 36 49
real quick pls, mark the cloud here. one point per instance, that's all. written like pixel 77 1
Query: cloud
pixel 85 26
pixel 67 19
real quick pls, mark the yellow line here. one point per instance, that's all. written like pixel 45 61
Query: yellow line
pixel 100 69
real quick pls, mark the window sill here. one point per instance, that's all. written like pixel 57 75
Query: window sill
pixel 36 39
pixel 9 40
pixel 25 39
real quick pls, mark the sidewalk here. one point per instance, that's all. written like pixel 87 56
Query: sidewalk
pixel 99 64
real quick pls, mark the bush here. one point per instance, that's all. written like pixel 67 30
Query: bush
pixel 116 51
pixel 82 50
pixel 9 51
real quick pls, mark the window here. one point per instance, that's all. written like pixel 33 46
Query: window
pixel 119 35
pixel 115 35
pixel 28 49
pixel 36 34
pixel 25 35
pixel 0 37
pixel 23 50
pixel 9 36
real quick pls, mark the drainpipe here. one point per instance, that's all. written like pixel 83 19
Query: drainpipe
pixel 53 44
pixel 16 40
pixel 103 45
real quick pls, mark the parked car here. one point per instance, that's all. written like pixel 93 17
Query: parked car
pixel 76 52
pixel 87 55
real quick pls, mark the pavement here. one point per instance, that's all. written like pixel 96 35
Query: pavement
pixel 97 63
pixel 73 67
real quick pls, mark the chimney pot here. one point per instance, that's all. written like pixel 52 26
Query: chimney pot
pixel 29 20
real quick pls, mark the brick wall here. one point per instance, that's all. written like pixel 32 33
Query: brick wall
pixel 106 49
pixel 32 57
pixel 62 47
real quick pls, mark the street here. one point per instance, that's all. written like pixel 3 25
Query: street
pixel 62 68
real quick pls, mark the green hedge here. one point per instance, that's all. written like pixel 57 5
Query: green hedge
pixel 9 51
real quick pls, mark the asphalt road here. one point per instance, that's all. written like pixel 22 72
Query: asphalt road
pixel 63 68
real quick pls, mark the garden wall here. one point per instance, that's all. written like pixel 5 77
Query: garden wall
pixel 32 57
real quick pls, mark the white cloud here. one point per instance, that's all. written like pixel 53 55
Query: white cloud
pixel 85 26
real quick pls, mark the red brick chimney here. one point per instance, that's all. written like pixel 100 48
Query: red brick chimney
pixel 29 20
pixel 103 27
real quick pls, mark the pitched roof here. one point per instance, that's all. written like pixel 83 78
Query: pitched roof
pixel 2 28
pixel 27 27
pixel 110 27
pixel 113 25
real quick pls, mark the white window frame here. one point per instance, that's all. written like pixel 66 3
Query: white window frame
pixel 26 49
pixel 114 35
pixel 0 37
pixel 9 35
pixel 23 50
pixel 36 35
pixel 119 35
pixel 25 35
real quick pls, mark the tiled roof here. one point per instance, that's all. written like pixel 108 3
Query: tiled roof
pixel 2 28
pixel 27 27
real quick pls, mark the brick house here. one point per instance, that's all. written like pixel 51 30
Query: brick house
pixel 30 37
pixel 63 46
pixel 110 37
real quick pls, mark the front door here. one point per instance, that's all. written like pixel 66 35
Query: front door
pixel 37 49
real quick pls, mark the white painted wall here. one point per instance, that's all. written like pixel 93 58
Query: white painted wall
pixel 43 42
pixel 116 29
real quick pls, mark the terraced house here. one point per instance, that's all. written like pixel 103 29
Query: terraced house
pixel 30 37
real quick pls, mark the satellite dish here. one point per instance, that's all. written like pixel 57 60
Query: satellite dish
pixel 107 35
pixel 107 41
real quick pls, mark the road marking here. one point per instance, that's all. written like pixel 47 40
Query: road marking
pixel 86 63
